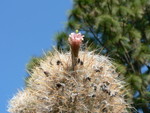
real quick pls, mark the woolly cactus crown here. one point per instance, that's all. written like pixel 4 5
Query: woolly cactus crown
pixel 72 83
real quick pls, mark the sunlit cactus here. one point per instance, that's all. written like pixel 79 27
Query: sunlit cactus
pixel 88 85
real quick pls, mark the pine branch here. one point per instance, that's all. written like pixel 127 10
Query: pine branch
pixel 110 10
pixel 94 34
pixel 127 57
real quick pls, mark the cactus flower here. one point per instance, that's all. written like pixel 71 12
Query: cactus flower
pixel 75 40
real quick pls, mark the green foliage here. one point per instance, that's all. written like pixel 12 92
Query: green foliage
pixel 35 61
pixel 61 41
pixel 122 28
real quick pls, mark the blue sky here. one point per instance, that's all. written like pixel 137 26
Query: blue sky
pixel 27 27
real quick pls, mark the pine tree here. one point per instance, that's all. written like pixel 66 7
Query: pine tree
pixel 122 29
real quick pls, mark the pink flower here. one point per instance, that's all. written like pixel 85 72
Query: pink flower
pixel 75 39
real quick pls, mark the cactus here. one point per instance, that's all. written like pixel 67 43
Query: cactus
pixel 87 83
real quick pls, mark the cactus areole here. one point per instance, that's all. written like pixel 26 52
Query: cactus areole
pixel 75 40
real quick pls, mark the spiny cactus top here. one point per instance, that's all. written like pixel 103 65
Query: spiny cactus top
pixel 54 87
